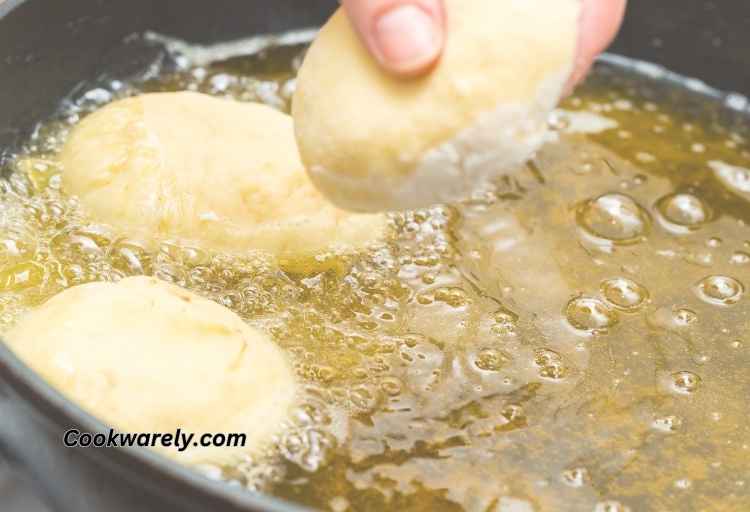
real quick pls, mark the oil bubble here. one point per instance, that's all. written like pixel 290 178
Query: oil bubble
pixel 614 217
pixel 685 383
pixel 339 504
pixel 454 297
pixel 12 249
pixel 672 318
pixel 391 386
pixel 684 317
pixel 683 212
pixel 701 359
pixel 364 398
pixel 740 258
pixel 79 245
pixel 683 484
pixel 513 413
pixel 22 276
pixel 309 448
pixel 611 506
pixel 575 477
pixel 131 258
pixel 491 360
pixel 41 172
pixel 667 424
pixel 624 293
pixel 720 290
pixel 551 365
pixel 505 323
pixel 590 315
pixel 309 415
pixel 736 179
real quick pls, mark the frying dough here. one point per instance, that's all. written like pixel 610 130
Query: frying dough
pixel 374 142
pixel 147 356
pixel 223 174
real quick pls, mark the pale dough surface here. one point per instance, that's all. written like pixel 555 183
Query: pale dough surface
pixel 223 174
pixel 371 141
pixel 147 356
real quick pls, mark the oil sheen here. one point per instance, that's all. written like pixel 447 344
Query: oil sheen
pixel 574 338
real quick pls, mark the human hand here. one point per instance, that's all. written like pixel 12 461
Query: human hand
pixel 407 36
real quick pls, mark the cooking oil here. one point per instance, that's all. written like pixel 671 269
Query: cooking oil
pixel 573 339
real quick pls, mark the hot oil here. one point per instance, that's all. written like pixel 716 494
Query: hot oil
pixel 574 338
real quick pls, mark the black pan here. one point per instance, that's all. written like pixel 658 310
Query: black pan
pixel 47 47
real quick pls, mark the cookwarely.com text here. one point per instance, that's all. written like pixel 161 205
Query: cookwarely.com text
pixel 179 439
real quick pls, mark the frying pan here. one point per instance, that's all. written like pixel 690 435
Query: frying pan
pixel 47 47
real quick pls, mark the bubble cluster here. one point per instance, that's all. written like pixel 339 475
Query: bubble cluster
pixel 306 443
pixel 550 364
pixel 491 360
pixel 505 323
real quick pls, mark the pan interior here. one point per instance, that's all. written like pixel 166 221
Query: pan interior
pixel 574 337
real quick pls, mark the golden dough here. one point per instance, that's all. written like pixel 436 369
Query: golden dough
pixel 373 142
pixel 223 174
pixel 146 356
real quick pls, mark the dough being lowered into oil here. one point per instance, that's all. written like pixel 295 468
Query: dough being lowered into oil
pixel 149 357
pixel 224 174
pixel 372 141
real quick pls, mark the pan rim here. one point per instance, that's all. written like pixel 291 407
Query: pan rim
pixel 54 407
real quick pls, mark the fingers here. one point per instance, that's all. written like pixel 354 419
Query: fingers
pixel 600 21
pixel 408 36
pixel 405 36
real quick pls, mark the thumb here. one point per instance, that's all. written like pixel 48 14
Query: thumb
pixel 600 21
pixel 408 36
pixel 405 36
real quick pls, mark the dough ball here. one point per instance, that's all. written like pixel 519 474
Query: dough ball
pixel 147 356
pixel 219 173
pixel 372 141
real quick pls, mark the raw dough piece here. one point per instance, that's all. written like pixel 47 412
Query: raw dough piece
pixel 146 356
pixel 223 174
pixel 373 142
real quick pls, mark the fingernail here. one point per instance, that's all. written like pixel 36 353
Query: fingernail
pixel 407 37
